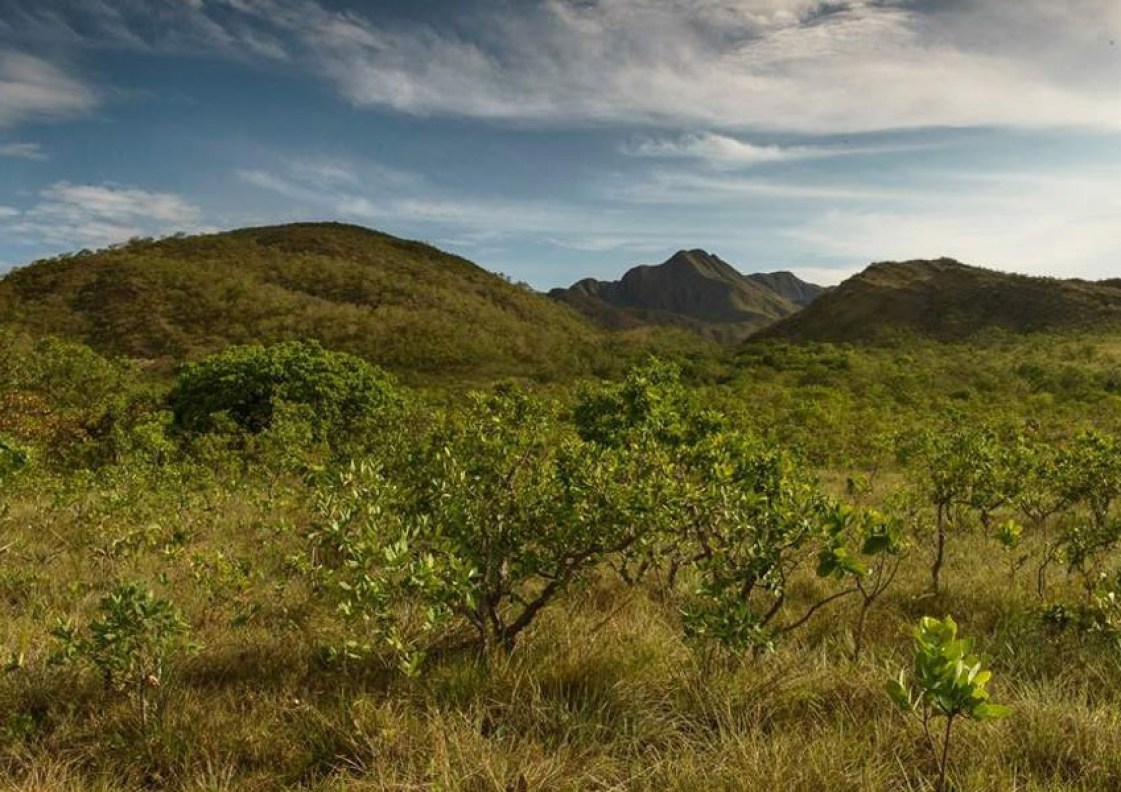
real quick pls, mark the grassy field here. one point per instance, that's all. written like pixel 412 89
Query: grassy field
pixel 602 692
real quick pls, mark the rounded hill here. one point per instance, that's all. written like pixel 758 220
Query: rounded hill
pixel 401 304
pixel 946 300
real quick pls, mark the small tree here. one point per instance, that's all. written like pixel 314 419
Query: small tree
pixel 946 681
pixel 956 466
pixel 650 405
pixel 1039 496
pixel 496 516
pixel 1090 475
pixel 1010 535
pixel 129 643
pixel 748 519
pixel 873 568
pixel 650 415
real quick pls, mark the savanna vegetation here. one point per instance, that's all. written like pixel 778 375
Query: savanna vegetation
pixel 795 567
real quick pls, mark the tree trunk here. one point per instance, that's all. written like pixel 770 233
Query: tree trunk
pixel 858 637
pixel 944 761
pixel 939 552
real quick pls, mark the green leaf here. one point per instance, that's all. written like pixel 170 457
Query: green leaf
pixel 899 692
pixel 986 711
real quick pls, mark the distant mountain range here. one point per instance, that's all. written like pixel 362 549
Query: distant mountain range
pixel 419 311
pixel 692 289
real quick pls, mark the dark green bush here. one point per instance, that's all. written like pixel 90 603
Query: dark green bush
pixel 248 384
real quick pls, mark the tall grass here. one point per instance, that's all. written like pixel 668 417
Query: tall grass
pixel 603 694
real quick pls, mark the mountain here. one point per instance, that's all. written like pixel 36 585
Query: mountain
pixel 692 289
pixel 401 304
pixel 790 286
pixel 947 300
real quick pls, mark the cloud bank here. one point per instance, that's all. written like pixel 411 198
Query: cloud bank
pixel 789 65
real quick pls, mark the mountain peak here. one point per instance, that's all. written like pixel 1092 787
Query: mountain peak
pixel 701 263
pixel 692 288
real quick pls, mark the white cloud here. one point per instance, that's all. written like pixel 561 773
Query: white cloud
pixel 795 65
pixel 115 202
pixel 479 223
pixel 178 27
pixel 33 90
pixel 28 151
pixel 70 215
pixel 607 243
pixel 721 149
pixel 687 188
pixel 1054 225
pixel 366 200
pixel 740 63
pixel 725 151
pixel 8 211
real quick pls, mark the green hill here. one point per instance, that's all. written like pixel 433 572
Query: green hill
pixel 404 305
pixel 946 300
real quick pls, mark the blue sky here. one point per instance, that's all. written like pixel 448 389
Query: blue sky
pixel 554 139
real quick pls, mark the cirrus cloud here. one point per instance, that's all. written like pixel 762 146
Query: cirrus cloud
pixel 806 66
pixel 93 215
pixel 31 89
pixel 27 151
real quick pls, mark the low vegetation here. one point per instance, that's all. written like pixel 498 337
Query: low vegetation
pixel 284 568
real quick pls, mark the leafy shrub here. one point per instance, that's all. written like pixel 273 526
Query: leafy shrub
pixel 497 514
pixel 651 401
pixel 248 384
pixel 947 681
pixel 960 465
pixel 746 520
pixel 1097 618
pixel 128 644
pixel 65 400
pixel 873 568
pixel 401 584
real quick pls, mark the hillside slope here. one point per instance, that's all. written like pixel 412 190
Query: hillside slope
pixel 401 304
pixel 946 300
pixel 790 286
pixel 692 289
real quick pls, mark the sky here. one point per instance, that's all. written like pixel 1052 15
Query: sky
pixel 556 139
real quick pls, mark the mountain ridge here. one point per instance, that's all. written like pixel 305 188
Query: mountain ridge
pixel 693 289
pixel 947 300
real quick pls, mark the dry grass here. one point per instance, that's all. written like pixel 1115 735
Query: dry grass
pixel 602 695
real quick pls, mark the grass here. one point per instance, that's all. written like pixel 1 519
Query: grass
pixel 603 694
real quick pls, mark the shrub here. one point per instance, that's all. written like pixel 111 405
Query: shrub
pixel 947 681
pixel 747 518
pixel 128 644
pixel 651 403
pixel 497 515
pixel 248 384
